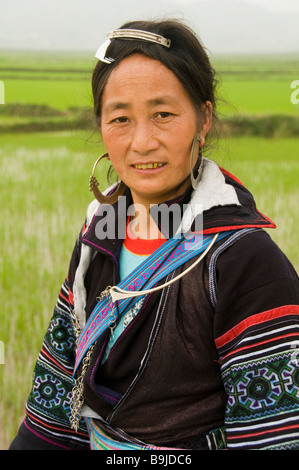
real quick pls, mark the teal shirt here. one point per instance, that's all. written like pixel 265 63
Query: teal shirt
pixel 127 263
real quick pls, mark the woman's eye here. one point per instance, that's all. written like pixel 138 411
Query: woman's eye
pixel 121 119
pixel 164 115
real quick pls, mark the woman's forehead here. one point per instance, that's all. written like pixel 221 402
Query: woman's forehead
pixel 139 73
pixel 139 66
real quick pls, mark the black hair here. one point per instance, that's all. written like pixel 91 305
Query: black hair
pixel 186 58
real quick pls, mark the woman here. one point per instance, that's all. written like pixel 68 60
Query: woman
pixel 193 347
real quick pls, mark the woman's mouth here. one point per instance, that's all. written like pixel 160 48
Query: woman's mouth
pixel 148 166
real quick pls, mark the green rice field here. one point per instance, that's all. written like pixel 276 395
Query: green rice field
pixel 45 174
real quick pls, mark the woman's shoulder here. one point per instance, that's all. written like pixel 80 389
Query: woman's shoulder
pixel 251 277
pixel 91 211
pixel 255 247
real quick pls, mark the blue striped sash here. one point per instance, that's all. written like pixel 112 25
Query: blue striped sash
pixel 173 253
pixel 99 440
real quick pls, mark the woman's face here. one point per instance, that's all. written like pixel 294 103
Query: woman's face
pixel 148 123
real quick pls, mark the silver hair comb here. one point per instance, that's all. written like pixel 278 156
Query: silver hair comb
pixel 129 34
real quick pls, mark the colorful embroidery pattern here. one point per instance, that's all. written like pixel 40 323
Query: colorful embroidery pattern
pixel 261 377
pixel 48 405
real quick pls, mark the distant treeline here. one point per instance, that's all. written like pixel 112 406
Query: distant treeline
pixel 43 118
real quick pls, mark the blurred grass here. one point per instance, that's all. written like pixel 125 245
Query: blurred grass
pixel 255 93
pixel 249 84
pixel 259 96
pixel 41 118
pixel 269 168
pixel 44 195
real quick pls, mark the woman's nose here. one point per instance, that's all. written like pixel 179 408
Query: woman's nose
pixel 143 140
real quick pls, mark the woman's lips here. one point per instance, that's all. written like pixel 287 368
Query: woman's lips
pixel 148 166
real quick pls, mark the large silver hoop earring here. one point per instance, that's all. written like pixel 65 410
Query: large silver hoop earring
pixel 94 187
pixel 195 180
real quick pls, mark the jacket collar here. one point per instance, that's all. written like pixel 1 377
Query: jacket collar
pixel 221 202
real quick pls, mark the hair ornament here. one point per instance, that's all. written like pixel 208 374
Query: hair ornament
pixel 129 34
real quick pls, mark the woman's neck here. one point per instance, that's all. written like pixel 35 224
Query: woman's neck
pixel 142 224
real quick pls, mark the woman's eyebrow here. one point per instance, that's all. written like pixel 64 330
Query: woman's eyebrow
pixel 113 106
pixel 161 100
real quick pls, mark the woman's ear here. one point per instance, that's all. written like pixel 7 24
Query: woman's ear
pixel 205 120
pixel 100 133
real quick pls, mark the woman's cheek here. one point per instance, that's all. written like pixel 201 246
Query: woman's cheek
pixel 115 137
